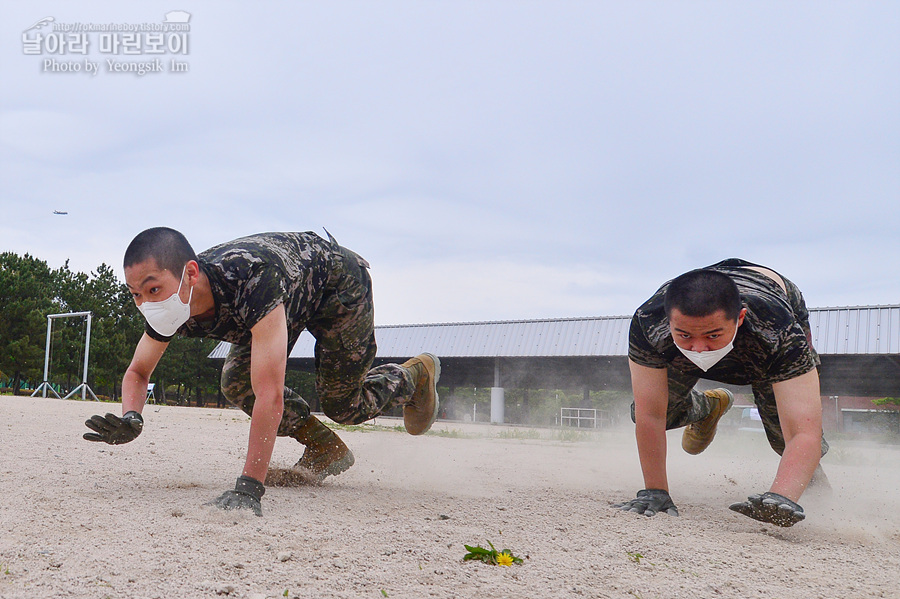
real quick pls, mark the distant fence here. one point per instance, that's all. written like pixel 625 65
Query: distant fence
pixel 582 417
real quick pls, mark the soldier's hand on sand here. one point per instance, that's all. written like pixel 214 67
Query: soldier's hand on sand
pixel 649 502
pixel 245 496
pixel 114 430
pixel 770 507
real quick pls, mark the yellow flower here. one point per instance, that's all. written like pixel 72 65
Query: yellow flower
pixel 504 559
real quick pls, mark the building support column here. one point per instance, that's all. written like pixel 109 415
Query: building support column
pixel 498 399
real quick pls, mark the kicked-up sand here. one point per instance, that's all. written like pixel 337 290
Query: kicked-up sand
pixel 81 519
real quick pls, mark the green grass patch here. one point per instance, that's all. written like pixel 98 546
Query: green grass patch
pixel 516 433
pixel 366 428
pixel 571 436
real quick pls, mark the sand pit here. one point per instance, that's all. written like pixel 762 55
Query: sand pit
pixel 79 519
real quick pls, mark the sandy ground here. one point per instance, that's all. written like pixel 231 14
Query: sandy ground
pixel 83 520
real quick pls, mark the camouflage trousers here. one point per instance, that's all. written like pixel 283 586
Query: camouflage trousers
pixel 688 405
pixel 349 389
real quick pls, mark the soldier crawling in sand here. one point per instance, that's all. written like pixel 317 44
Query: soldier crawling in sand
pixel 736 323
pixel 259 293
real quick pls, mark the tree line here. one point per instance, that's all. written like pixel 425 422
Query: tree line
pixel 30 290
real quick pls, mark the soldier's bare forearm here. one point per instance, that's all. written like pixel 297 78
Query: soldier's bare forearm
pixel 651 442
pixel 134 392
pixel 801 456
pixel 267 412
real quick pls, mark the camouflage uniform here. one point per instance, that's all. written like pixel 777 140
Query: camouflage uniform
pixel 773 344
pixel 324 288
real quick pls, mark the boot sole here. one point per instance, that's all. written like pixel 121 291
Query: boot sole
pixel 437 399
pixel 339 465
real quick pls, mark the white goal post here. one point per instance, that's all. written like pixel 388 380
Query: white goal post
pixel 83 387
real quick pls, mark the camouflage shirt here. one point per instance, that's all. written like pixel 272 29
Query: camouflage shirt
pixel 773 344
pixel 251 276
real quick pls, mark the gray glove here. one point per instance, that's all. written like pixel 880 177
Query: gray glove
pixel 772 508
pixel 246 495
pixel 650 502
pixel 114 430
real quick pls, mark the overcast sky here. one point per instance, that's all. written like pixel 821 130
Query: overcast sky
pixel 492 160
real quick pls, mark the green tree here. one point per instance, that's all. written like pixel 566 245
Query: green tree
pixel 884 401
pixel 116 330
pixel 116 327
pixel 304 384
pixel 68 339
pixel 30 290
pixel 26 297
pixel 186 372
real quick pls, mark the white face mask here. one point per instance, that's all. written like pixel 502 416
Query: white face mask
pixel 707 359
pixel 166 316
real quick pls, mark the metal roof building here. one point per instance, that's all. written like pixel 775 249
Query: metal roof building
pixel 856 330
pixel 859 347
pixel 569 337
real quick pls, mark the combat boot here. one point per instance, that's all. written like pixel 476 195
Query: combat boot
pixel 698 435
pixel 420 412
pixel 325 454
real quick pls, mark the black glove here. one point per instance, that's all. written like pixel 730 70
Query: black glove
pixel 772 508
pixel 246 495
pixel 114 430
pixel 650 502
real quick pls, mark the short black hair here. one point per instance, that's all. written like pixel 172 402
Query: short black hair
pixel 703 292
pixel 169 248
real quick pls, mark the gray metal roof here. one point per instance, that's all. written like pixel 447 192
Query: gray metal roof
pixel 524 338
pixel 848 330
pixel 856 330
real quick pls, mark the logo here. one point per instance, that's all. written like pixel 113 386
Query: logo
pixel 177 16
pixel 136 48
pixel 40 23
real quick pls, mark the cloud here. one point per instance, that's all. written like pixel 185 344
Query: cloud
pixel 493 159
pixel 54 135
pixel 453 291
